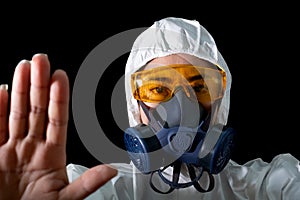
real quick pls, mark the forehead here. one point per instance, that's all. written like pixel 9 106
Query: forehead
pixel 178 59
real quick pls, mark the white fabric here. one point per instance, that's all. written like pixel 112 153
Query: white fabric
pixel 170 36
pixel 279 179
pixel 255 180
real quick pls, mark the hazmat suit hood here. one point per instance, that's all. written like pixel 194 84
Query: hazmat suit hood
pixel 172 36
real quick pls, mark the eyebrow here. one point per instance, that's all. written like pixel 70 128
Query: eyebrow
pixel 193 78
pixel 165 79
pixel 168 80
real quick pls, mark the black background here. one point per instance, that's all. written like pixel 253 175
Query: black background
pixel 259 43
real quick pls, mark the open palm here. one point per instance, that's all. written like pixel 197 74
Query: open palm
pixel 33 137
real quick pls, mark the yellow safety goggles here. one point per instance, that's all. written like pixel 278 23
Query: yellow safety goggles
pixel 159 84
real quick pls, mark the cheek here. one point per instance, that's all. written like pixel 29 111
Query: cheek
pixel 151 105
pixel 144 118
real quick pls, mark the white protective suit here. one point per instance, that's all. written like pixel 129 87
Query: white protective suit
pixel 256 179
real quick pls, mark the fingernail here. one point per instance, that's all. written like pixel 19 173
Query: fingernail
pixel 37 54
pixel 4 87
pixel 23 61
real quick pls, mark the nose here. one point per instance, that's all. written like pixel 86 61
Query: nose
pixel 188 90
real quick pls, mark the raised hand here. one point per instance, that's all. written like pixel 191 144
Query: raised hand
pixel 33 137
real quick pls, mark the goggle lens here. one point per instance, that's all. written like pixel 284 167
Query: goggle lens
pixel 159 84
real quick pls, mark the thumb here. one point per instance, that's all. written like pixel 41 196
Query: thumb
pixel 88 182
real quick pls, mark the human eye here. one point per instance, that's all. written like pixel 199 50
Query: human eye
pixel 159 90
pixel 155 92
pixel 159 93
pixel 198 85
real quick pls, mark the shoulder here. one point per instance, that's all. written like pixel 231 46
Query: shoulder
pixel 286 161
pixel 279 177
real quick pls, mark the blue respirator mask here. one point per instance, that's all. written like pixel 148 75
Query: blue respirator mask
pixel 175 135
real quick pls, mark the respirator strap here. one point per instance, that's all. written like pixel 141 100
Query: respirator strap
pixel 155 120
pixel 175 179
pixel 196 183
pixel 174 184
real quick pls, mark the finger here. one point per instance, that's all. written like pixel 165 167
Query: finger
pixel 58 112
pixel 19 100
pixel 88 182
pixel 3 113
pixel 39 93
